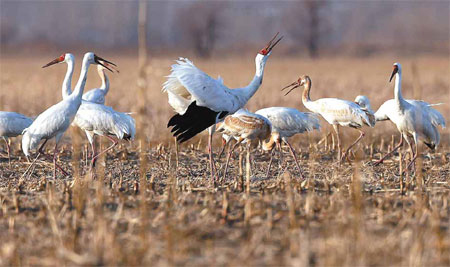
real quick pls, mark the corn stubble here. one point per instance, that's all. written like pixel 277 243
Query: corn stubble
pixel 143 207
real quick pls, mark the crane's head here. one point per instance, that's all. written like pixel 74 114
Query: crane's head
pixel 94 59
pixel 266 51
pixel 300 82
pixel 68 57
pixel 363 101
pixel 397 68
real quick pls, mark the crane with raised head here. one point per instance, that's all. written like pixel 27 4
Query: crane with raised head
pixel 95 118
pixel 53 122
pixel 337 112
pixel 201 101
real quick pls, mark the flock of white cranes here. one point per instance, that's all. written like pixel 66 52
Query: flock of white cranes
pixel 202 102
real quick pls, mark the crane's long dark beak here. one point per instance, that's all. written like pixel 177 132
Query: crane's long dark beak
pixel 294 84
pixel 393 73
pixel 271 44
pixel 55 61
pixel 101 61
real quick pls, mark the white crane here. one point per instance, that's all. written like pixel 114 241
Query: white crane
pixel 54 121
pixel 287 122
pixel 245 126
pixel 98 95
pixel 336 112
pixel 12 125
pixel 95 118
pixel 414 118
pixel 201 101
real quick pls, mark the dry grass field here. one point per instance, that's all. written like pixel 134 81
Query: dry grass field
pixel 143 209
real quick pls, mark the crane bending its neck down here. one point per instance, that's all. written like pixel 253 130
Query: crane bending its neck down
pixel 209 100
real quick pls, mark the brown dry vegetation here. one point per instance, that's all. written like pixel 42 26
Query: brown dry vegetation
pixel 354 214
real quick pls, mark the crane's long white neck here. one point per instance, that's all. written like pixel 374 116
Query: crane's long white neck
pixel 67 83
pixel 79 88
pixel 306 99
pixel 104 78
pixel 398 90
pixel 248 91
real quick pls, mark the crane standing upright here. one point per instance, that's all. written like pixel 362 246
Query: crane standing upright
pixel 336 112
pixel 96 118
pixel 54 121
pixel 201 101
pixel 12 124
pixel 413 118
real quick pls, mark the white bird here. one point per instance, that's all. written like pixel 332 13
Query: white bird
pixel 364 103
pixel 245 126
pixel 414 118
pixel 54 121
pixel 288 122
pixel 12 125
pixel 336 112
pixel 95 118
pixel 98 95
pixel 201 101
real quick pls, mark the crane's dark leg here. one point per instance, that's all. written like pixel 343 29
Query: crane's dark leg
pixel 113 140
pixel 336 129
pixel 176 151
pixel 413 160
pixel 352 145
pixel 228 158
pixel 270 162
pixel 224 144
pixel 8 149
pixel 295 158
pixel 34 161
pixel 93 154
pixel 391 152
pixel 56 165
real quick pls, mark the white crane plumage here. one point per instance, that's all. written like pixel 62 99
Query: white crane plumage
pixel 414 118
pixel 201 101
pixel 336 112
pixel 287 122
pixel 364 103
pixel 95 118
pixel 12 124
pixel 245 126
pixel 98 95
pixel 54 121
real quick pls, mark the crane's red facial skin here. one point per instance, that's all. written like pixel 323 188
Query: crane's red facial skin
pixel 394 71
pixel 265 51
pixel 57 60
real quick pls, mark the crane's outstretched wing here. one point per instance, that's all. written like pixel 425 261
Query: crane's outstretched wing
pixel 199 99
pixel 187 80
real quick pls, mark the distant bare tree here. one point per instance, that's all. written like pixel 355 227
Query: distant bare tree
pixel 307 24
pixel 200 22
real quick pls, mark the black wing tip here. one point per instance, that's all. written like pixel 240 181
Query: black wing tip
pixel 193 121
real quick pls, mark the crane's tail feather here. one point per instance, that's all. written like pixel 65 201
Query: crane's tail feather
pixel 193 121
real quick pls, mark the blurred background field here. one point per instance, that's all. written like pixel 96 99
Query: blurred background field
pixel 142 210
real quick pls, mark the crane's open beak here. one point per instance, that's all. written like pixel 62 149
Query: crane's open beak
pixel 101 61
pixel 55 61
pixel 393 73
pixel 110 66
pixel 271 44
pixel 294 84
